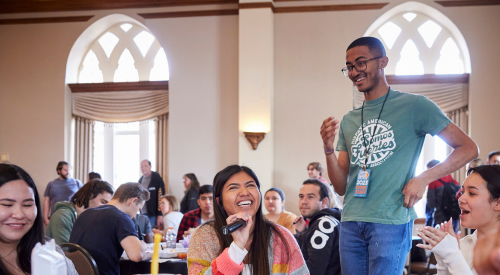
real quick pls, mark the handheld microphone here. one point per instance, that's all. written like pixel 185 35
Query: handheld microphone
pixel 230 228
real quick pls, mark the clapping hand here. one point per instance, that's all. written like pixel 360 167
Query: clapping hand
pixel 432 236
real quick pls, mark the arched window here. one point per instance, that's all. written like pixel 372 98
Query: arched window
pixel 125 52
pixel 416 44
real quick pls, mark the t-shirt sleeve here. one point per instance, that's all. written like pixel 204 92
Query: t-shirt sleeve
pixel 47 190
pixel 124 228
pixel 341 142
pixel 428 118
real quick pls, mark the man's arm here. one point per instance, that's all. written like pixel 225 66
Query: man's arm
pixel 134 248
pixel 46 208
pixel 338 168
pixel 465 150
pixel 149 238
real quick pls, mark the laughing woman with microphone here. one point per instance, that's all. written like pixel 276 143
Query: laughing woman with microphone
pixel 257 247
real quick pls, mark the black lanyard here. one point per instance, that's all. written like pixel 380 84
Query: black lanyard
pixel 374 130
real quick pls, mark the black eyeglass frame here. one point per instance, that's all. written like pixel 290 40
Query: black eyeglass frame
pixel 347 69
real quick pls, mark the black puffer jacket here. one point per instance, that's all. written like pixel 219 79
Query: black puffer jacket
pixel 319 243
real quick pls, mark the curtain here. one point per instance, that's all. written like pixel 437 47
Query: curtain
pixel 162 148
pixel 84 145
pixel 120 106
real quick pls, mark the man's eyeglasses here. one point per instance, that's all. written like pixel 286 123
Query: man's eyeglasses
pixel 359 66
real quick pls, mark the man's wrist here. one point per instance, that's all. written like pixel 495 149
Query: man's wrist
pixel 328 151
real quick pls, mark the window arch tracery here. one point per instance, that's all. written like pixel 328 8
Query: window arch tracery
pixel 126 52
pixel 416 44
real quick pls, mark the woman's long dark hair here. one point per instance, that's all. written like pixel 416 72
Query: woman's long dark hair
pixel 89 191
pixel 8 173
pixel 195 184
pixel 258 253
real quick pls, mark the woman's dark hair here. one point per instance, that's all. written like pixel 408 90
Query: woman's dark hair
pixel 258 252
pixel 490 174
pixel 194 181
pixel 89 191
pixel 8 173
pixel 277 190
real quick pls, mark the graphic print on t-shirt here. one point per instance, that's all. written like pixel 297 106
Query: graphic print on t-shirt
pixel 381 147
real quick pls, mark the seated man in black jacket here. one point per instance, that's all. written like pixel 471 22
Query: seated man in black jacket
pixel 319 242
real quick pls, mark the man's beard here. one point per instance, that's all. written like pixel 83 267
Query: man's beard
pixel 64 177
pixel 374 80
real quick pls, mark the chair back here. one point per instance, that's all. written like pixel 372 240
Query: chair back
pixel 432 259
pixel 83 261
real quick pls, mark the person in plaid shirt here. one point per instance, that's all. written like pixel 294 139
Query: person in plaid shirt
pixel 197 217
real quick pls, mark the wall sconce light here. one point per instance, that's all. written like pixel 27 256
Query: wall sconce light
pixel 254 138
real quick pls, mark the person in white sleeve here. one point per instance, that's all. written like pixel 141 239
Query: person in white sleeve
pixel 480 205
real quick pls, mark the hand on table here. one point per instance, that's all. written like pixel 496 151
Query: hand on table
pixel 187 232
pixel 157 231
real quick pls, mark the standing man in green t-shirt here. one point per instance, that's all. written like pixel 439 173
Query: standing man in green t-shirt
pixel 379 145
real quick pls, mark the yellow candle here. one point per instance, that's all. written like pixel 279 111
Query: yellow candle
pixel 156 255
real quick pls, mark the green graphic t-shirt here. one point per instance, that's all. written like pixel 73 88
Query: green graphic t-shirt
pixel 396 146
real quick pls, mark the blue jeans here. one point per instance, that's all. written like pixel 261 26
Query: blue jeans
pixel 374 248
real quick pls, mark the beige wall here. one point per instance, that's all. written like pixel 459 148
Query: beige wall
pixel 203 124
pixel 32 71
pixel 309 51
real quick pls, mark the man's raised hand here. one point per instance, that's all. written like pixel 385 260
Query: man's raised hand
pixel 329 130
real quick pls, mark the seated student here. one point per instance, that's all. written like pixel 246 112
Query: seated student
pixel 480 204
pixel 493 158
pixel 197 217
pixel 143 228
pixel 275 205
pixel 107 230
pixel 315 171
pixel 171 216
pixel 259 247
pixel 319 242
pixel 93 194
pixel 22 221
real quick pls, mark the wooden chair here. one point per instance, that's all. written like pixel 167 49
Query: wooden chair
pixel 83 261
pixel 425 268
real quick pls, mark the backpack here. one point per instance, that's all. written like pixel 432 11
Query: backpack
pixel 449 202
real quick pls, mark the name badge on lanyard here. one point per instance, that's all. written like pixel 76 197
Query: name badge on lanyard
pixel 362 182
